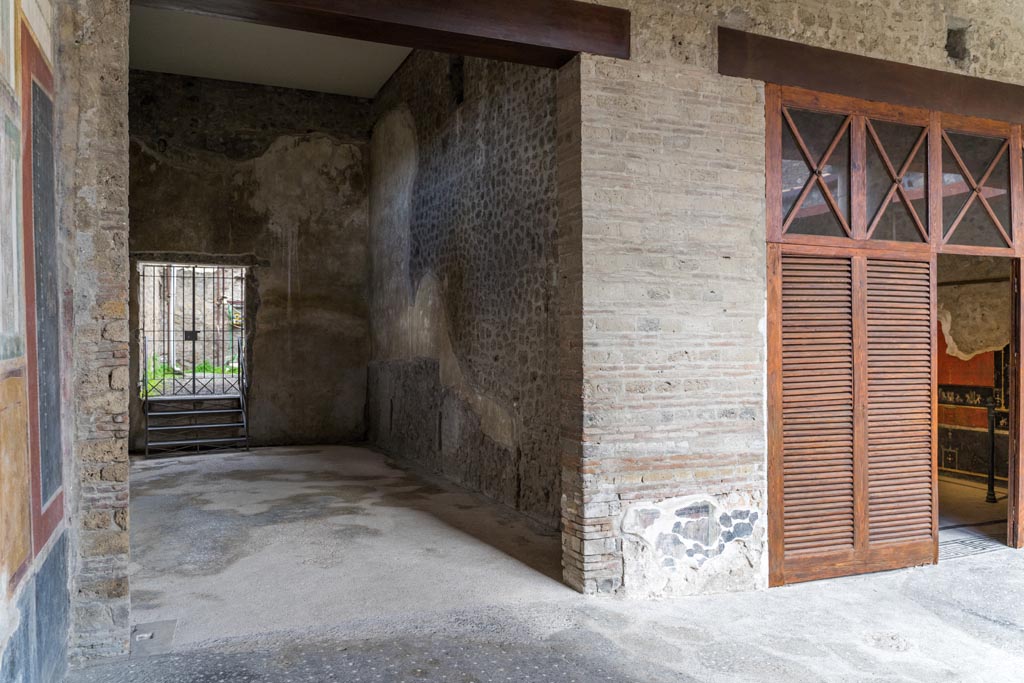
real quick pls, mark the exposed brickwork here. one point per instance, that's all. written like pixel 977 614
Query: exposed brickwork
pixel 661 299
pixel 93 110
pixel 673 252
pixel 575 529
pixel 674 260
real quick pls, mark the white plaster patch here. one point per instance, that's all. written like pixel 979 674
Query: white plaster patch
pixel 7 42
pixel 975 318
pixel 10 616
pixel 693 545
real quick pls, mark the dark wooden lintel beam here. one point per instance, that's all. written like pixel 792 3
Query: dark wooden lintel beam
pixel 787 63
pixel 538 32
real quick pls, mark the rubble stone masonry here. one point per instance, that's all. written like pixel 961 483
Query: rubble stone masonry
pixel 463 224
pixel 93 127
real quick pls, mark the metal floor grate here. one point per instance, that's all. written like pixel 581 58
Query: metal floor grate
pixel 966 547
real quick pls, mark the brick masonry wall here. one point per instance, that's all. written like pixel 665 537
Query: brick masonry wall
pixel 670 298
pixel 92 69
pixel 674 444
pixel 463 241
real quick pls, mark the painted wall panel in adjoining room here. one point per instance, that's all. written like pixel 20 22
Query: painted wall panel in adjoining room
pixel 47 291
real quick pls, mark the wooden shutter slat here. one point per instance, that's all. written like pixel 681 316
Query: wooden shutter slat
pixel 817 404
pixel 856 391
pixel 899 401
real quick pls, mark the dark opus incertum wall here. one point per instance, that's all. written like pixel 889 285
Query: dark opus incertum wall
pixel 242 174
pixel 463 235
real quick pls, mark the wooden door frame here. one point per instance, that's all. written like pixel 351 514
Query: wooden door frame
pixel 1015 475
pixel 779 242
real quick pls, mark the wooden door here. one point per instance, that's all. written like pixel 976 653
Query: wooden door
pixel 853 400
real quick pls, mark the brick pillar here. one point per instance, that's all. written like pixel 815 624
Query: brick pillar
pixel 570 314
pixel 92 70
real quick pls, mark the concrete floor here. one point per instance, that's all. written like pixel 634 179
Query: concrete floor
pixel 329 564
pixel 302 538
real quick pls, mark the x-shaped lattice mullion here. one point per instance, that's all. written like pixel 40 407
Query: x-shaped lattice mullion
pixel 897 180
pixel 816 173
pixel 976 188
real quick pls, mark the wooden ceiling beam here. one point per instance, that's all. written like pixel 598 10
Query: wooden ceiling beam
pixel 537 32
pixel 787 63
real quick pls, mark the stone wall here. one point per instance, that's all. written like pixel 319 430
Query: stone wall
pixel 674 273
pixel 660 291
pixel 464 289
pixel 272 178
pixel 92 70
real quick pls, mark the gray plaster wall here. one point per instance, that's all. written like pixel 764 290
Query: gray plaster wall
pixel 463 240
pixel 242 174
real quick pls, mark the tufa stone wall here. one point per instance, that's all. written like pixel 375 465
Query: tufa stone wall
pixel 674 265
pixel 252 175
pixel 92 106
pixel 463 241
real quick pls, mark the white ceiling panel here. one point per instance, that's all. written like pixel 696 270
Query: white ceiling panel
pixel 192 45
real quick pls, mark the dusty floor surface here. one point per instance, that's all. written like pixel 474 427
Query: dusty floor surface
pixel 309 565
pixel 963 512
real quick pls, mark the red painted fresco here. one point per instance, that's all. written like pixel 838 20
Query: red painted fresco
pixel 46 514
pixel 979 371
pixel 962 416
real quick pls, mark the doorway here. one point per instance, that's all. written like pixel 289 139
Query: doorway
pixel 975 370
pixel 865 201
pixel 192 356
pixel 192 329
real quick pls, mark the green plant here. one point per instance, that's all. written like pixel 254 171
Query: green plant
pixel 208 368
pixel 158 369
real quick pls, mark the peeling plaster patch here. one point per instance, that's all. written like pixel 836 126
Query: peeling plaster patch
pixel 427 326
pixel 973 303
pixel 695 544
pixel 419 329
pixel 975 318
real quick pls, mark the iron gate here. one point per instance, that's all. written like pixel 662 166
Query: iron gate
pixel 192 320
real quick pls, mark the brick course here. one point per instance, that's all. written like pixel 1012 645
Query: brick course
pixel 673 303
pixel 660 266
pixel 92 67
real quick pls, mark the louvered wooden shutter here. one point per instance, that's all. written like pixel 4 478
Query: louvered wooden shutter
pixel 854 415
pixel 899 407
pixel 817 412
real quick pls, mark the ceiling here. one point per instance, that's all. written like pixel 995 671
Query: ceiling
pixel 192 45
